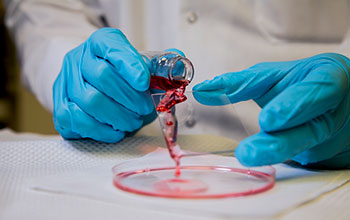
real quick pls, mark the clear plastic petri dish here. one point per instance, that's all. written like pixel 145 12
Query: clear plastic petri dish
pixel 205 176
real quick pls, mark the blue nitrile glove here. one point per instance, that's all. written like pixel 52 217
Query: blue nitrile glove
pixel 305 110
pixel 102 89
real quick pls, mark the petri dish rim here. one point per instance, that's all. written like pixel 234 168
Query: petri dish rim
pixel 269 177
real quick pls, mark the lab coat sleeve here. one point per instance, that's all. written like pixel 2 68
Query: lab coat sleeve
pixel 44 31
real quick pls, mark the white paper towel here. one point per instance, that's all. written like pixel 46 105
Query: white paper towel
pixel 294 186
pixel 53 179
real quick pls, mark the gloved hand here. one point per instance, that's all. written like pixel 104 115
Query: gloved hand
pixel 102 89
pixel 305 112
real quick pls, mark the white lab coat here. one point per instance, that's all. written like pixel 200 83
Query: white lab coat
pixel 217 35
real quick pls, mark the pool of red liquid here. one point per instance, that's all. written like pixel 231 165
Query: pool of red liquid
pixel 182 186
pixel 193 188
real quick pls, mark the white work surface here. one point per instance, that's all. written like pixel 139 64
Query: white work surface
pixel 44 177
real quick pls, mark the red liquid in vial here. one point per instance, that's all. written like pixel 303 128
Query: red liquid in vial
pixel 159 82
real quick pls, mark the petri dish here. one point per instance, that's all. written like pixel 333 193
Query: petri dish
pixel 202 177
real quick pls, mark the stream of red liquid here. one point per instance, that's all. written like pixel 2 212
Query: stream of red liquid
pixel 174 94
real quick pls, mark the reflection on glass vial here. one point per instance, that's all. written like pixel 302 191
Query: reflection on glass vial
pixel 168 69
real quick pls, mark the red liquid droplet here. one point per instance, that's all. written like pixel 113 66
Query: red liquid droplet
pixel 175 93
pixel 178 170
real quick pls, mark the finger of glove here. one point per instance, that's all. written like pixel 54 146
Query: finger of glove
pixel 105 78
pixel 61 114
pixel 103 108
pixel 319 92
pixel 147 119
pixel 96 104
pixel 239 86
pixel 112 45
pixel 325 152
pixel 271 148
pixel 88 127
pixel 337 143
pixel 72 123
pixel 339 161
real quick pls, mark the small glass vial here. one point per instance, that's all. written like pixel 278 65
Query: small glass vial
pixel 169 70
